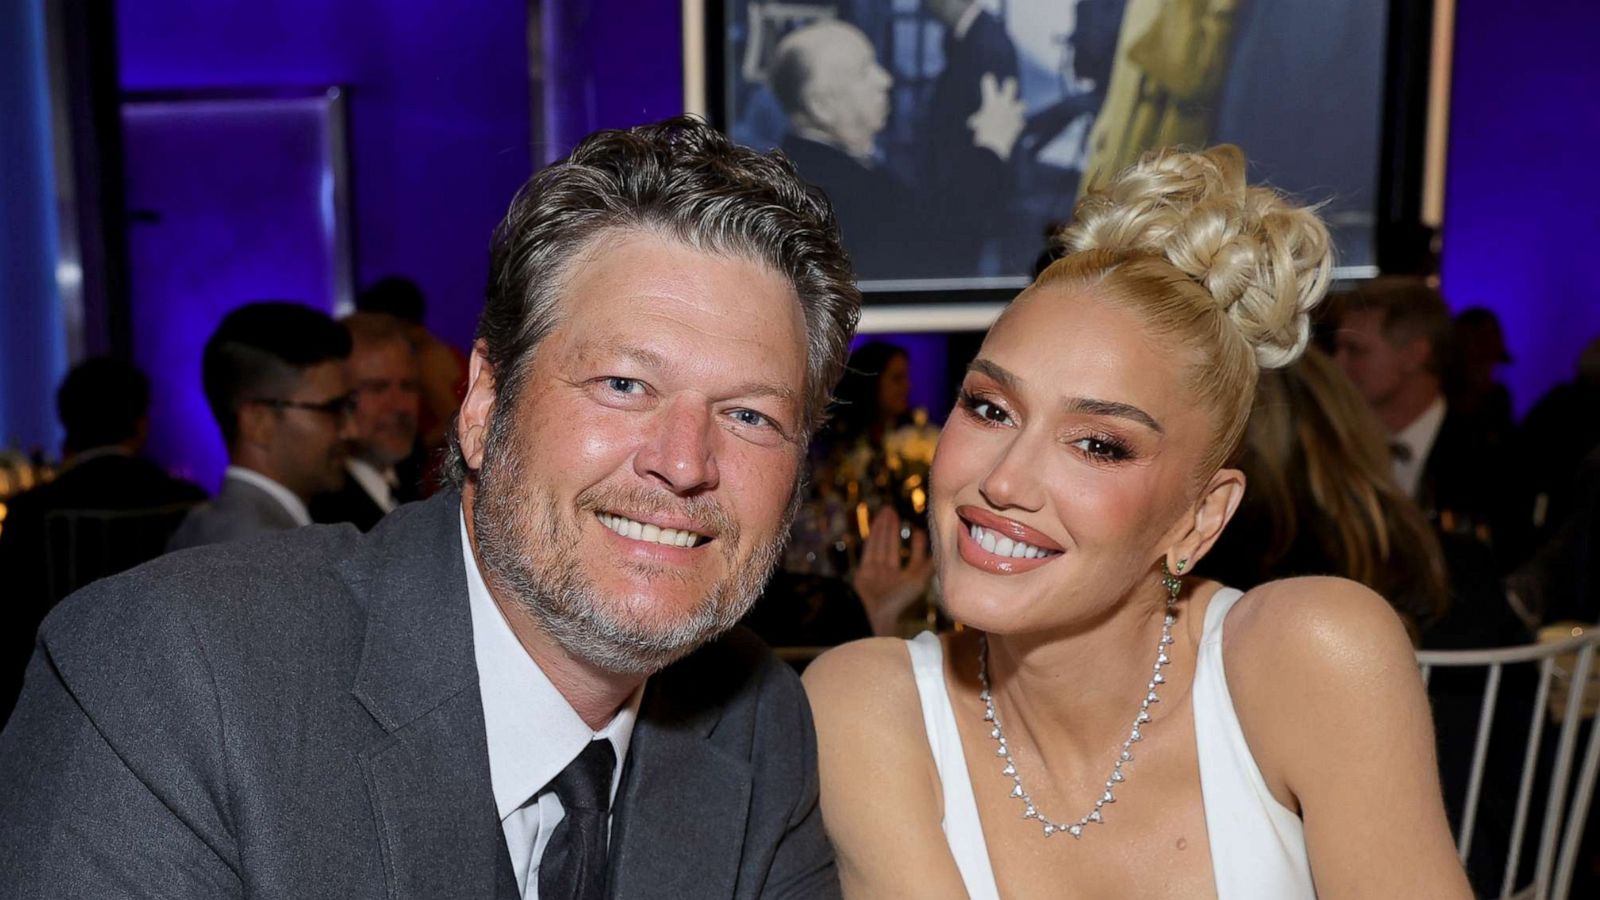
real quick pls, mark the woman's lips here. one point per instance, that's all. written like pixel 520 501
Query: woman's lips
pixel 976 515
pixel 974 554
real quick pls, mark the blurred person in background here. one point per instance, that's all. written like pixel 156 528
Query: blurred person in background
pixel 442 369
pixel 858 553
pixel 1477 351
pixel 275 379
pixel 973 121
pixel 104 406
pixel 1562 427
pixel 1322 499
pixel 1392 340
pixel 384 377
pixel 874 397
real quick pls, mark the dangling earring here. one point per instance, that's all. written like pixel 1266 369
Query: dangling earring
pixel 1171 580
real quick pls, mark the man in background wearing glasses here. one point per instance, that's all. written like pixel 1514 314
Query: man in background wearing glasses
pixel 275 379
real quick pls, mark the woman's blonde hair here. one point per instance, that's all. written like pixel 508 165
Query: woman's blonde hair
pixel 1226 271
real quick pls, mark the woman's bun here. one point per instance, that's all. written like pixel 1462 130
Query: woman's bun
pixel 1264 261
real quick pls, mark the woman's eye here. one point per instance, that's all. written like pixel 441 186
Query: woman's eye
pixel 985 410
pixel 1097 448
pixel 625 385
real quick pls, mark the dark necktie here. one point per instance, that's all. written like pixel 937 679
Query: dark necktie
pixel 574 863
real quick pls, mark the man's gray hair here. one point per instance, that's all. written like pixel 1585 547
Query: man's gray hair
pixel 685 180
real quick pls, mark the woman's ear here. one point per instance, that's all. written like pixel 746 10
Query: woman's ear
pixel 472 423
pixel 1215 506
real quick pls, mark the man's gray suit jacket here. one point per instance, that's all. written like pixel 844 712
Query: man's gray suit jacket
pixel 239 510
pixel 298 715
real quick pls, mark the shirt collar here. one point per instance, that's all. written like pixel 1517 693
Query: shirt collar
pixel 1423 430
pixel 285 497
pixel 373 481
pixel 964 24
pixel 533 731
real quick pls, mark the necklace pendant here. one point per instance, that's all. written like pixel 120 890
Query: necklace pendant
pixel 1049 829
pixel 1075 830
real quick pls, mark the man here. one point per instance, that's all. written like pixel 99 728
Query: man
pixel 973 122
pixel 108 508
pixel 511 689
pixel 275 380
pixel 827 79
pixel 442 367
pixel 384 374
pixel 1391 341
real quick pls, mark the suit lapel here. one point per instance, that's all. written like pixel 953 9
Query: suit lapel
pixel 428 777
pixel 680 820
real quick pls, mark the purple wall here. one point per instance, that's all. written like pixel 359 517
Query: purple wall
pixel 1520 223
pixel 610 64
pixel 440 126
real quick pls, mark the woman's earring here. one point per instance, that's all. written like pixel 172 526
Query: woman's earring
pixel 1171 581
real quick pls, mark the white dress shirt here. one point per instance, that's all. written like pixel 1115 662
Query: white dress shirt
pixel 379 485
pixel 285 497
pixel 533 731
pixel 1417 438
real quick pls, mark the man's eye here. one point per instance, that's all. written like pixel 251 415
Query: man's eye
pixel 752 418
pixel 625 385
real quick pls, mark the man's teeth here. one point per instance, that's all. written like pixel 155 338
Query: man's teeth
pixel 641 531
pixel 1004 546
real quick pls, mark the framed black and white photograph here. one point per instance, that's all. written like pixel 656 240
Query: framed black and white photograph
pixel 953 135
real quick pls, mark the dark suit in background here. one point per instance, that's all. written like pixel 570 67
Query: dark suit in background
pixel 299 716
pixel 107 513
pixel 350 503
pixel 1468 489
pixel 970 187
pixel 876 211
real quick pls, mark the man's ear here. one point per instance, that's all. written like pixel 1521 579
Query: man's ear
pixel 258 424
pixel 1216 505
pixel 472 423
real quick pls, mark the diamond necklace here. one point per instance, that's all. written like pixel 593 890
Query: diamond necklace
pixel 1029 811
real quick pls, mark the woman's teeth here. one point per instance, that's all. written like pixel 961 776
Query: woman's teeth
pixel 654 534
pixel 1004 546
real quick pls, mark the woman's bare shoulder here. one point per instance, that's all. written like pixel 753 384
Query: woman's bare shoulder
pixel 1315 626
pixel 1305 657
pixel 865 677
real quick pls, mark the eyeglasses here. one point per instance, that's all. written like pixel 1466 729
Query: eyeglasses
pixel 340 406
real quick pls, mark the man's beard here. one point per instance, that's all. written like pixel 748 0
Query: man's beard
pixel 531 551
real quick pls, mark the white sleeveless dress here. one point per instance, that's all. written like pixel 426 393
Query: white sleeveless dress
pixel 1258 848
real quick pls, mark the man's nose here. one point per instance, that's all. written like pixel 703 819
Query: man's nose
pixel 679 450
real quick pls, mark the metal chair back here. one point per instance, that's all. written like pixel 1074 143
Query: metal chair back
pixel 1565 666
pixel 82 545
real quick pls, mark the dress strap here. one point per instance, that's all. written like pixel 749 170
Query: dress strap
pixel 963 830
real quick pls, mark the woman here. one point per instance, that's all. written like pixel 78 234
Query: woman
pixel 1323 499
pixel 1079 737
pixel 874 396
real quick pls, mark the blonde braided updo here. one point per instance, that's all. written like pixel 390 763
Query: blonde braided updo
pixel 1227 270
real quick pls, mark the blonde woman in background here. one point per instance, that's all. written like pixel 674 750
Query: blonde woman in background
pixel 1104 726
pixel 1323 499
